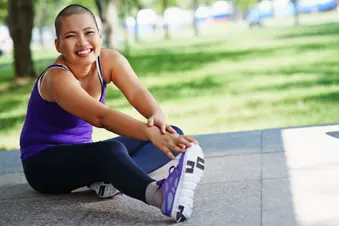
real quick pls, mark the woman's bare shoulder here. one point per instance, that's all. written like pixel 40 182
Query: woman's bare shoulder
pixel 109 54
pixel 108 58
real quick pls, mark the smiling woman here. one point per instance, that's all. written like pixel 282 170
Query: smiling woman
pixel 68 99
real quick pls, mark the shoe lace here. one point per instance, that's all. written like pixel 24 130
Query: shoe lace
pixel 170 170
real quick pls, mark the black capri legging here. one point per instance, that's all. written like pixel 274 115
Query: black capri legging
pixel 125 162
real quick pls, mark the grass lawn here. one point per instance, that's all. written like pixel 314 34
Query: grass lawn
pixel 230 79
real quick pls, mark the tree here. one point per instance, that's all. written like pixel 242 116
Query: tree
pixel 41 17
pixel 166 27
pixel 195 22
pixel 136 5
pixel 125 9
pixel 3 10
pixel 45 13
pixel 20 24
pixel 108 12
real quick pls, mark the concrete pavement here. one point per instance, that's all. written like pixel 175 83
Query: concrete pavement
pixel 275 177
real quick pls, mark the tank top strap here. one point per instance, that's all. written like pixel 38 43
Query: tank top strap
pixel 53 66
pixel 99 69
pixel 57 65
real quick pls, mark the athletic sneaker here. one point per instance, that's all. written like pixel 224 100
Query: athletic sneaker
pixel 104 189
pixel 178 188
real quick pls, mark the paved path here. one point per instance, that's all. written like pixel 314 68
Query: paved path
pixel 277 177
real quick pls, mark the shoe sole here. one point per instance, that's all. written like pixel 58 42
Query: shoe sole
pixel 191 173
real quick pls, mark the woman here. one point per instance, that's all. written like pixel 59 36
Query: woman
pixel 57 151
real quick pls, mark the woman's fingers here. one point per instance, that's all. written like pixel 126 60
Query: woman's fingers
pixel 187 141
pixel 163 128
pixel 179 149
pixel 177 143
pixel 170 129
pixel 191 139
pixel 181 146
pixel 150 121
pixel 184 141
pixel 168 152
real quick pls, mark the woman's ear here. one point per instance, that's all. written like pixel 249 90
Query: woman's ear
pixel 57 43
pixel 100 35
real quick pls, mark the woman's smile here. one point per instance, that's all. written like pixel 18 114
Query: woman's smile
pixel 84 52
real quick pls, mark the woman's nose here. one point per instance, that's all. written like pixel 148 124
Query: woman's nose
pixel 82 41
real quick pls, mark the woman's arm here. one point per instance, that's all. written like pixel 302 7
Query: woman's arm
pixel 124 77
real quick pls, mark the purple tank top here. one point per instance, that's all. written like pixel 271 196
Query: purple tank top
pixel 47 124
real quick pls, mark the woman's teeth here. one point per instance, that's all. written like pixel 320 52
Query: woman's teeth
pixel 84 52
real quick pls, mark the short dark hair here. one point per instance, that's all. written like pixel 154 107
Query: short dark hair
pixel 69 11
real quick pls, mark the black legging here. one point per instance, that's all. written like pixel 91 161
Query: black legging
pixel 125 162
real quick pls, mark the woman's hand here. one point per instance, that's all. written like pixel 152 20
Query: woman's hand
pixel 159 121
pixel 169 141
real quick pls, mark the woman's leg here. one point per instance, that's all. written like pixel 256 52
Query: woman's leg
pixel 148 157
pixel 61 169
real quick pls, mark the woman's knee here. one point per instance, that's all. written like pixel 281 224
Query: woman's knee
pixel 111 149
pixel 178 130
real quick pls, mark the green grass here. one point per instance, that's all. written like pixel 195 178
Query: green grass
pixel 236 80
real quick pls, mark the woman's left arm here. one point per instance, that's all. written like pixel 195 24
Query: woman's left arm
pixel 124 77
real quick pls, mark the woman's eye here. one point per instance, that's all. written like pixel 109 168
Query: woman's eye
pixel 90 32
pixel 69 36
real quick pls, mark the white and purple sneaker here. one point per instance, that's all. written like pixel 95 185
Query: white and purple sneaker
pixel 104 189
pixel 178 188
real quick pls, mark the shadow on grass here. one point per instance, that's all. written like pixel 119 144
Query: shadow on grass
pixel 200 87
pixel 18 89
pixel 314 30
pixel 194 88
pixel 176 62
pixel 317 46
pixel 10 122
pixel 7 69
pixel 8 104
pixel 330 97
pixel 6 76
pixel 324 73
pixel 181 47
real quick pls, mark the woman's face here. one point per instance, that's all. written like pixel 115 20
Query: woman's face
pixel 79 39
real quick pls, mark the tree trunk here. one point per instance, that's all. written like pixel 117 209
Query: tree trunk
pixel 195 22
pixel 41 36
pixel 20 24
pixel 136 30
pixel 40 20
pixel 125 13
pixel 112 22
pixel 108 12
pixel 136 26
